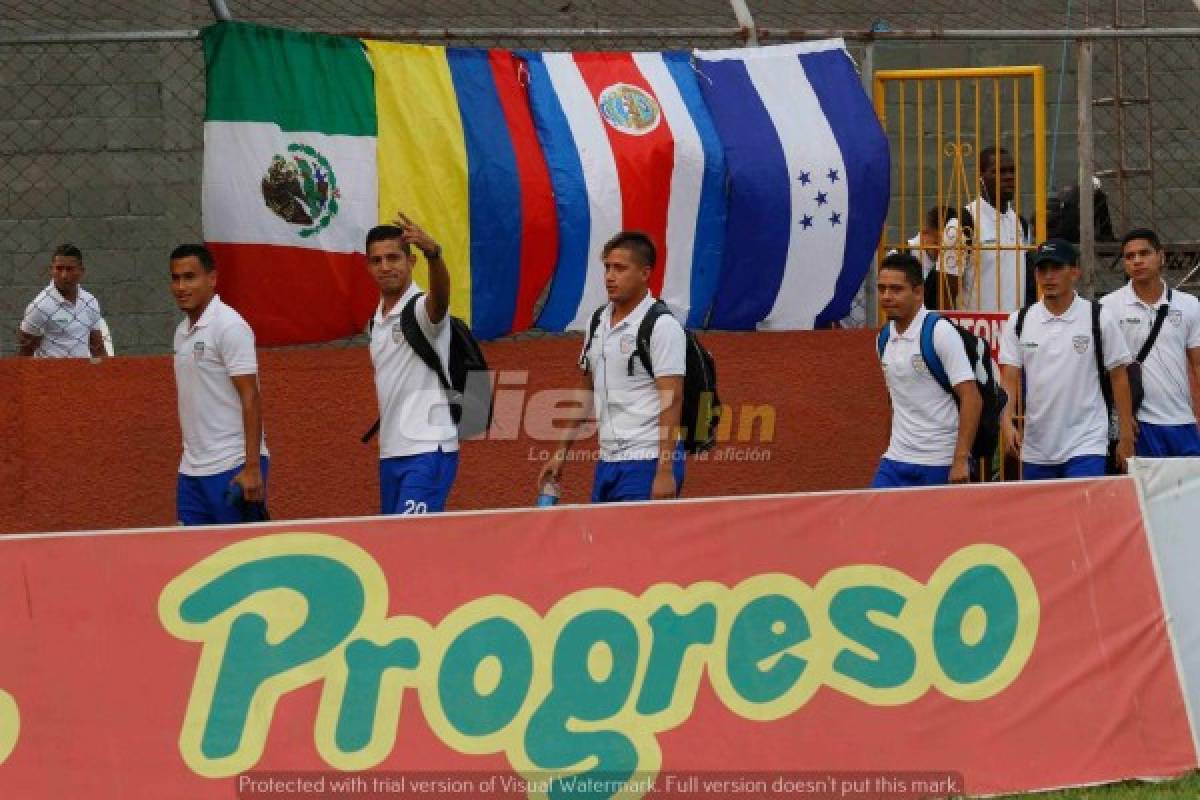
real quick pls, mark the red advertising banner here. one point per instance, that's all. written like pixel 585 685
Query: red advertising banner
pixel 987 325
pixel 986 639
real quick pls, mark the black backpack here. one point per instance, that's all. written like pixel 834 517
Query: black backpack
pixel 466 380
pixel 979 355
pixel 701 411
pixel 1134 370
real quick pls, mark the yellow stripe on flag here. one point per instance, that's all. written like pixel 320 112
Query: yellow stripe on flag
pixel 423 156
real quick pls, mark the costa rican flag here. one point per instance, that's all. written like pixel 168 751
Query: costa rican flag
pixel 629 145
pixel 809 180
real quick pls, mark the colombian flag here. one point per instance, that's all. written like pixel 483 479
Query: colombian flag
pixel 311 140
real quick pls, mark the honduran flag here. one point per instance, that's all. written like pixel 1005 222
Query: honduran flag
pixel 311 140
pixel 809 171
pixel 289 185
pixel 629 145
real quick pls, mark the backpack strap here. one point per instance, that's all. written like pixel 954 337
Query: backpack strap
pixel 645 331
pixel 1020 326
pixel 1159 319
pixel 929 352
pixel 592 326
pixel 417 341
pixel 1101 373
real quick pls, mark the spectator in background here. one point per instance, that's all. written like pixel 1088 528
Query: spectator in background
pixel 1166 419
pixel 941 289
pixel 220 409
pixel 1062 221
pixel 982 245
pixel 1051 342
pixel 63 321
pixel 931 433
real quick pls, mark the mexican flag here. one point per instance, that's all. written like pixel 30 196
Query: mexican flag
pixel 290 186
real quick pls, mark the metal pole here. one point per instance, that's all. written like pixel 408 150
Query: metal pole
pixel 101 38
pixel 220 10
pixel 870 293
pixel 746 20
pixel 759 35
pixel 1087 169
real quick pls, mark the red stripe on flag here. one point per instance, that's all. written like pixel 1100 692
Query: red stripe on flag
pixel 539 220
pixel 645 162
pixel 293 295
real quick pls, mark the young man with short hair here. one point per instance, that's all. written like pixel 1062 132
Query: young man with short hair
pixel 988 258
pixel 64 320
pixel 1066 417
pixel 638 413
pixel 1166 419
pixel 418 440
pixel 931 433
pixel 220 408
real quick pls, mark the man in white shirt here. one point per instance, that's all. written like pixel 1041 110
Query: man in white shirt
pixel 988 258
pixel 64 320
pixel 223 472
pixel 932 429
pixel 1052 342
pixel 637 411
pixel 1166 419
pixel 418 440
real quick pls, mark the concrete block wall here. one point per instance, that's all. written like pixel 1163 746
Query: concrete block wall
pixel 100 146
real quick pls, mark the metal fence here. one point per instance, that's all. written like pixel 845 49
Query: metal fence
pixel 102 104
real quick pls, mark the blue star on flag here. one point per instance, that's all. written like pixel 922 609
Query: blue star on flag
pixel 822 198
pixel 836 219
pixel 833 176
pixel 805 178
pixel 806 221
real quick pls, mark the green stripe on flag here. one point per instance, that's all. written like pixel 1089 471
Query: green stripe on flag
pixel 300 81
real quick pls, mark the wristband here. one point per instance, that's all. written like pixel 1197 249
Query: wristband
pixel 437 253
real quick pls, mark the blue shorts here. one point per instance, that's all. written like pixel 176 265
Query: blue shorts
pixel 893 474
pixel 624 481
pixel 416 484
pixel 1077 467
pixel 1167 441
pixel 200 499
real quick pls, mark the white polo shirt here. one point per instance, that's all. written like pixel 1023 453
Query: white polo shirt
pixel 628 407
pixel 979 292
pixel 219 346
pixel 1065 415
pixel 924 415
pixel 65 327
pixel 414 414
pixel 1168 394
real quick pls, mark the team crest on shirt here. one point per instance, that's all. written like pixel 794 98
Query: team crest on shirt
pixel 1081 343
pixel 301 189
pixel 1176 317
pixel 397 334
pixel 918 365
pixel 629 109
pixel 198 351
pixel 627 343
